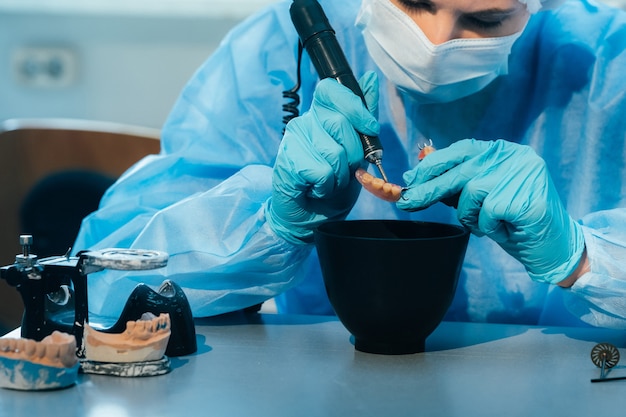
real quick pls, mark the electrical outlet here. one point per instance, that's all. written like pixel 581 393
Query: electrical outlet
pixel 45 67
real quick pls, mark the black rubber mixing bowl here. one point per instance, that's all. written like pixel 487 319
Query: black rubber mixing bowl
pixel 390 282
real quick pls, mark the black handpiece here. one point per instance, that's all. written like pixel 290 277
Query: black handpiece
pixel 318 38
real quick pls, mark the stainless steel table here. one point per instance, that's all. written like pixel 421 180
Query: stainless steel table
pixel 280 365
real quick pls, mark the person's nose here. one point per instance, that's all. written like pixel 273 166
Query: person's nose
pixel 439 28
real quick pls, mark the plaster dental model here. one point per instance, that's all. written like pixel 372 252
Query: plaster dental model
pixel 26 364
pixel 138 351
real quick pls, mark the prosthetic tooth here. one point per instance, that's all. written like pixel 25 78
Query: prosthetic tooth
pixel 147 316
pixel 30 348
pixel 52 351
pixel 136 329
pixel 64 349
pixel 40 350
pixel 145 331
pixel 11 345
pixel 4 345
pixel 55 337
pixel 67 354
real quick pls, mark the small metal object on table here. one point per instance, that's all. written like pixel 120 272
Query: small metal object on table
pixel 605 356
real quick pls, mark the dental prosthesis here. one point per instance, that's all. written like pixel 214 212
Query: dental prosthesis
pixel 385 190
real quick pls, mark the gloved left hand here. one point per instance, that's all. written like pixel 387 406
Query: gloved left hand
pixel 313 178
pixel 506 193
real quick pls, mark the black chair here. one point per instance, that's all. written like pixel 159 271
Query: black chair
pixel 53 209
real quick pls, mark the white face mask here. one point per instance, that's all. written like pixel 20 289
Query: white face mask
pixel 429 72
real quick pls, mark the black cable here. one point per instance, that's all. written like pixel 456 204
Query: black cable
pixel 291 107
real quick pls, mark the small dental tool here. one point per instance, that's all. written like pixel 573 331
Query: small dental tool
pixel 318 38
pixel 605 356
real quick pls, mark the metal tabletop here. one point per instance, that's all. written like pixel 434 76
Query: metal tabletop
pixel 259 365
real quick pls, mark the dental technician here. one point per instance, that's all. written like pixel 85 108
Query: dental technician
pixel 525 101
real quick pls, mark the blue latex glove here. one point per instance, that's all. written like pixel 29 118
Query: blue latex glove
pixel 313 177
pixel 505 192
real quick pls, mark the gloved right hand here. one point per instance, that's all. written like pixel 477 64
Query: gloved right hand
pixel 313 179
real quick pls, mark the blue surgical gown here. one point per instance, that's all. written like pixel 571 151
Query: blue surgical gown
pixel 203 198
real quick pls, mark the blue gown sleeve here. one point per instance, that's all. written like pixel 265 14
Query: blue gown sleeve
pixel 597 297
pixel 202 199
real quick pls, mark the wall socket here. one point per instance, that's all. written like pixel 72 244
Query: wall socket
pixel 45 67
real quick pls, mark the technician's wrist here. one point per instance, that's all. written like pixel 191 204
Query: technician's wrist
pixel 582 268
pixel 289 232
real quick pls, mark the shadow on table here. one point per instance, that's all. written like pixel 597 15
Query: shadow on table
pixel 591 334
pixel 242 317
pixel 449 335
pixel 454 335
pixel 180 361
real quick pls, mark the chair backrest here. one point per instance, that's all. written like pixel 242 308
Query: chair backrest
pixel 33 149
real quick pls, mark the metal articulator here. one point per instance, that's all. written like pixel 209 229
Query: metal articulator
pixel 55 296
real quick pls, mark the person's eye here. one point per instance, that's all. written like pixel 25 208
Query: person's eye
pixel 416 5
pixel 482 24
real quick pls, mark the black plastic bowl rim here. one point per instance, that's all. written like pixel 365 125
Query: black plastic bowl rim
pixel 452 231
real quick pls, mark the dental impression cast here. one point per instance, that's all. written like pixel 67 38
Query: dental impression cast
pixel 29 365
pixel 143 340
pixel 138 351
